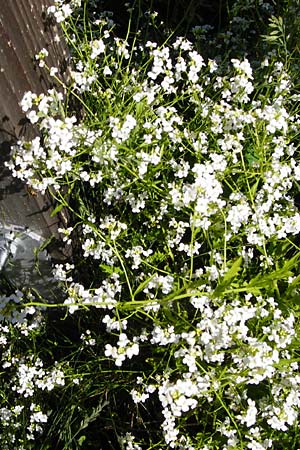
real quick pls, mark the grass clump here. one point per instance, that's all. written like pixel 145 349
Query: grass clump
pixel 180 171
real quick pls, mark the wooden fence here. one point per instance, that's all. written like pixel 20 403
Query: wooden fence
pixel 24 31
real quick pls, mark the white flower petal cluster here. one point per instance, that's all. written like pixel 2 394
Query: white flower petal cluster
pixel 120 132
pixel 105 296
pixel 125 349
pixel 31 375
pixel 225 331
pixel 62 10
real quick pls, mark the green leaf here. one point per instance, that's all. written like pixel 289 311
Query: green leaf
pixel 252 158
pixel 142 286
pixel 110 269
pixel 267 280
pixel 56 210
pixel 81 440
pixel 254 187
pixel 291 262
pixel 295 299
pixel 229 276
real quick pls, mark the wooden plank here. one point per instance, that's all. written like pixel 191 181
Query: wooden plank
pixel 24 31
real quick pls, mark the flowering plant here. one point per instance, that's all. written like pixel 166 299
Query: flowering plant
pixel 181 175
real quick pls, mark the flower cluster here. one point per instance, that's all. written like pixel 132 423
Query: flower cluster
pixel 227 333
pixel 62 10
pixel 24 376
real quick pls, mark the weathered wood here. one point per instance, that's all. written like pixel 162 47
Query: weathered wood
pixel 24 31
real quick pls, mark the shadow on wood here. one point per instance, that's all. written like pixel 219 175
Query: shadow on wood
pixel 24 31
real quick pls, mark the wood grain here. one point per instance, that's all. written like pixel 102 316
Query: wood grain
pixel 24 31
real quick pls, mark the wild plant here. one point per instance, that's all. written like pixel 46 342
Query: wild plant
pixel 181 176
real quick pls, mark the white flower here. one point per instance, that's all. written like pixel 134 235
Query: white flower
pixel 98 47
pixel 107 71
pixel 32 116
pixel 132 350
pixel 250 418
pixel 27 100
